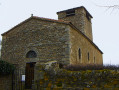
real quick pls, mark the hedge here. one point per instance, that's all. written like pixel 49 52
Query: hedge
pixel 6 68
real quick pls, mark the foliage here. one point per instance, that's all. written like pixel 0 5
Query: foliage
pixel 6 68
pixel 91 67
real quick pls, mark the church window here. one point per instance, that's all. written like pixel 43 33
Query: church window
pixel 79 52
pixel 31 54
pixel 88 56
pixel 60 65
pixel 70 13
pixel 94 59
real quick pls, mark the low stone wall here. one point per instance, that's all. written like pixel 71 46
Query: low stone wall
pixel 5 82
pixel 71 80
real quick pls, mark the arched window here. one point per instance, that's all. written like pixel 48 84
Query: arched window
pixel 79 52
pixel 94 59
pixel 31 54
pixel 88 56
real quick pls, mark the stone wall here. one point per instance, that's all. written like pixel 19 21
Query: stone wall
pixel 50 40
pixel 78 41
pixel 5 82
pixel 70 80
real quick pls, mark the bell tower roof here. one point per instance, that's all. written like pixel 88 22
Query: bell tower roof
pixel 75 9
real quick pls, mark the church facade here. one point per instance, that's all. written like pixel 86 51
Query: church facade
pixel 67 40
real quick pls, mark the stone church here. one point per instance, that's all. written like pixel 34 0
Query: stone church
pixel 68 40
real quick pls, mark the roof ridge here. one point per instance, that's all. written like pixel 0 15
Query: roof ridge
pixel 36 17
pixel 59 20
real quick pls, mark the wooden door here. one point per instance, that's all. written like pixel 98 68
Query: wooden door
pixel 29 75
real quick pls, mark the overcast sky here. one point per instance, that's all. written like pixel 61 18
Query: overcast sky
pixel 105 22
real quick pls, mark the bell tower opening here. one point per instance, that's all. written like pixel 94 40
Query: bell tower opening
pixel 70 13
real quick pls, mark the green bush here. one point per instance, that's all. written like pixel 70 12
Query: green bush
pixel 6 68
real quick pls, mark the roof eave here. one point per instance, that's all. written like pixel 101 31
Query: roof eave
pixel 85 37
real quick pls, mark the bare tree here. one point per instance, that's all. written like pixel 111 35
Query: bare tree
pixel 111 6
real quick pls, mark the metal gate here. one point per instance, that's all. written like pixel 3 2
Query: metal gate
pixel 21 81
pixel 17 83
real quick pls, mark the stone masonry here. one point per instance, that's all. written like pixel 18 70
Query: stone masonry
pixel 50 39
pixel 81 20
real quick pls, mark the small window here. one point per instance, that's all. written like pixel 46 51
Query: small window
pixel 70 13
pixel 88 56
pixel 79 52
pixel 94 59
pixel 60 65
pixel 31 54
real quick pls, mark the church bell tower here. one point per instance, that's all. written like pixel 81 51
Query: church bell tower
pixel 80 18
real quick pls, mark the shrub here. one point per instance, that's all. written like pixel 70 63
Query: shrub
pixel 91 67
pixel 6 68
